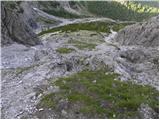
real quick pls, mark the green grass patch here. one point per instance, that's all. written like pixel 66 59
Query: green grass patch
pixel 128 10
pixel 45 20
pixel 23 69
pixel 106 96
pixel 54 8
pixel 118 27
pixel 48 101
pixel 91 26
pixel 65 50
pixel 82 45
pixel 62 13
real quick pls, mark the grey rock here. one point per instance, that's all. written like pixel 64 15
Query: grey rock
pixel 147 112
pixel 14 28
pixel 137 59
pixel 144 34
pixel 138 63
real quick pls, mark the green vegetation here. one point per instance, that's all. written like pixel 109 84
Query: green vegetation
pixel 62 13
pixel 55 9
pixel 118 27
pixel 45 20
pixel 99 95
pixel 128 10
pixel 149 3
pixel 117 10
pixel 65 50
pixel 47 101
pixel 21 70
pixel 91 26
pixel 82 45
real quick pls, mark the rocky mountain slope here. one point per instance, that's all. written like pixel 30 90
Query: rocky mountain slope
pixel 123 10
pixel 144 34
pixel 31 20
pixel 141 59
pixel 60 67
pixel 14 27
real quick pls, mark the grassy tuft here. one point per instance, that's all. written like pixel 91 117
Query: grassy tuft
pixel 48 101
pixel 45 20
pixel 99 94
pixel 65 50
pixel 82 45
pixel 91 26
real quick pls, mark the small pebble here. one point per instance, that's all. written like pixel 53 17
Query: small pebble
pixel 19 82
pixel 94 81
pixel 64 112
pixel 41 109
pixel 115 78
pixel 106 73
pixel 114 115
pixel 39 95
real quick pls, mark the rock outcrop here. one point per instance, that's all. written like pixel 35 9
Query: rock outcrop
pixel 14 28
pixel 28 72
pixel 144 34
pixel 138 58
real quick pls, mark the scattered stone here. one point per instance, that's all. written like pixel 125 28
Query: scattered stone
pixel 41 109
pixel 94 81
pixel 146 112
pixel 15 54
pixel 39 96
pixel 106 73
pixel 20 82
pixel 64 113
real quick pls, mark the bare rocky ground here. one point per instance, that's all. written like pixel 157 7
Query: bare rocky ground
pixel 26 71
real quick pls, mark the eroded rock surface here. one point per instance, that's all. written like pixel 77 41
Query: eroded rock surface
pixel 138 57
pixel 144 34
pixel 26 71
pixel 14 28
pixel 147 112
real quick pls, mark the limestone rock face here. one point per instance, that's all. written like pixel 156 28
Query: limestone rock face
pixel 145 34
pixel 14 28
pixel 138 56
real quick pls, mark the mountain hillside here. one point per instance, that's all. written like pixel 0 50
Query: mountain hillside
pixel 14 27
pixel 79 60
pixel 145 34
pixel 131 11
